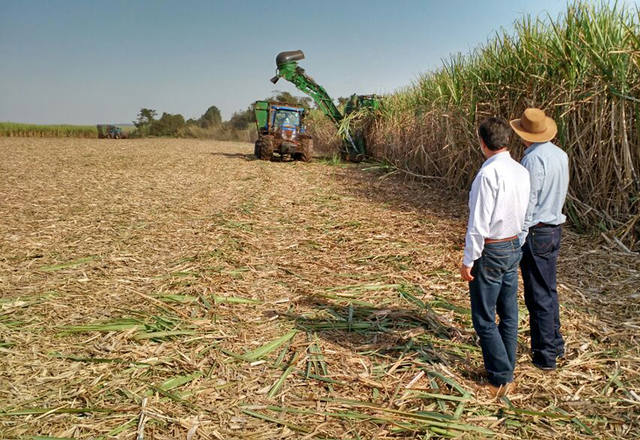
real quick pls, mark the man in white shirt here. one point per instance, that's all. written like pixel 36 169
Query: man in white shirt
pixel 497 206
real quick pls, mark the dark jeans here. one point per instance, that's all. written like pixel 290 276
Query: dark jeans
pixel 539 258
pixel 495 289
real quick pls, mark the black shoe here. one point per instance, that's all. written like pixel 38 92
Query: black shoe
pixel 544 367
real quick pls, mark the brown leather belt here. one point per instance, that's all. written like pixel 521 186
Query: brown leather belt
pixel 542 225
pixel 499 240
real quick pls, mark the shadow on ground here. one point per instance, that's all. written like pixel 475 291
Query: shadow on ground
pixel 251 157
pixel 377 184
pixel 248 156
pixel 595 294
pixel 385 331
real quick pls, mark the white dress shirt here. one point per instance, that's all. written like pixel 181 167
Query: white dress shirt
pixel 497 203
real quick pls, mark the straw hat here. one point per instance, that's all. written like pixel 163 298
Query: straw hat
pixel 534 126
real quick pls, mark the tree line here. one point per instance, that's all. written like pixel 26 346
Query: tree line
pixel 149 124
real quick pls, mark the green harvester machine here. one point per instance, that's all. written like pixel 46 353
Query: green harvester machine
pixel 354 147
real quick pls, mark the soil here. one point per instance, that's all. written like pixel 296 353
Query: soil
pixel 183 257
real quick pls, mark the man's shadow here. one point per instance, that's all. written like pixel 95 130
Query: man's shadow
pixel 385 331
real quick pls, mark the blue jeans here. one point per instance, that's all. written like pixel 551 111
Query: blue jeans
pixel 495 289
pixel 539 259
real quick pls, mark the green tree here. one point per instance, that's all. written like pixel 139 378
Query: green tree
pixel 288 98
pixel 145 117
pixel 167 125
pixel 210 118
pixel 241 120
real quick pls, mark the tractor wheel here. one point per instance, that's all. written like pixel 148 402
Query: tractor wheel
pixel 307 150
pixel 256 148
pixel 266 147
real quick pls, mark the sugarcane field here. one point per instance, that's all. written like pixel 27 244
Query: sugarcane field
pixel 339 251
pixel 220 295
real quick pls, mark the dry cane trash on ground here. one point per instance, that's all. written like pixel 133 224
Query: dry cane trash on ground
pixel 164 289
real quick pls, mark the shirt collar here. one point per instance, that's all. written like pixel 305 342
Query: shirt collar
pixel 532 147
pixel 495 157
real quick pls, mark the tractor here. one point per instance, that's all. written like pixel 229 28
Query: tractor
pixel 281 130
pixel 110 132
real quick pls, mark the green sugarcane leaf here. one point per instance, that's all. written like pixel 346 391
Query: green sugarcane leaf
pixel 67 265
pixel 268 348
pixel 178 381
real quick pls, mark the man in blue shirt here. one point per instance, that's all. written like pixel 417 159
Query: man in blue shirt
pixel 548 168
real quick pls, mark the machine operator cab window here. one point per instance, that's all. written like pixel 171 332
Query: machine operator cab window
pixel 286 120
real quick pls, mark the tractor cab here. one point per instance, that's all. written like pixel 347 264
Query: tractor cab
pixel 287 121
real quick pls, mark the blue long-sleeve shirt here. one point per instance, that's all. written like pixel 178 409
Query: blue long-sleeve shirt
pixel 548 168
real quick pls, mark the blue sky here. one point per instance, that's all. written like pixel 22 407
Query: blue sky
pixel 83 62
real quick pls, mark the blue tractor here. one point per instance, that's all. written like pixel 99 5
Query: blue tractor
pixel 110 132
pixel 281 131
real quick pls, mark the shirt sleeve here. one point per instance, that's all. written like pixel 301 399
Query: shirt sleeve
pixel 481 205
pixel 536 177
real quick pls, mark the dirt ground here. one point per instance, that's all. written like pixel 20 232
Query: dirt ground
pixel 171 289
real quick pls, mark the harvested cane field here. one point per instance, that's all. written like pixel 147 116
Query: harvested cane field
pixel 179 289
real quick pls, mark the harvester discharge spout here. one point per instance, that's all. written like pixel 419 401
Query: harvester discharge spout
pixel 289 56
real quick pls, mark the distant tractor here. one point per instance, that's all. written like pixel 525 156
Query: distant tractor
pixel 281 130
pixel 110 132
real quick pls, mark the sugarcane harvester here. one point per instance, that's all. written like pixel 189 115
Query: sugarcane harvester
pixel 353 145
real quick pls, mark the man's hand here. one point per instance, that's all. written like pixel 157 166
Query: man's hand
pixel 465 273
